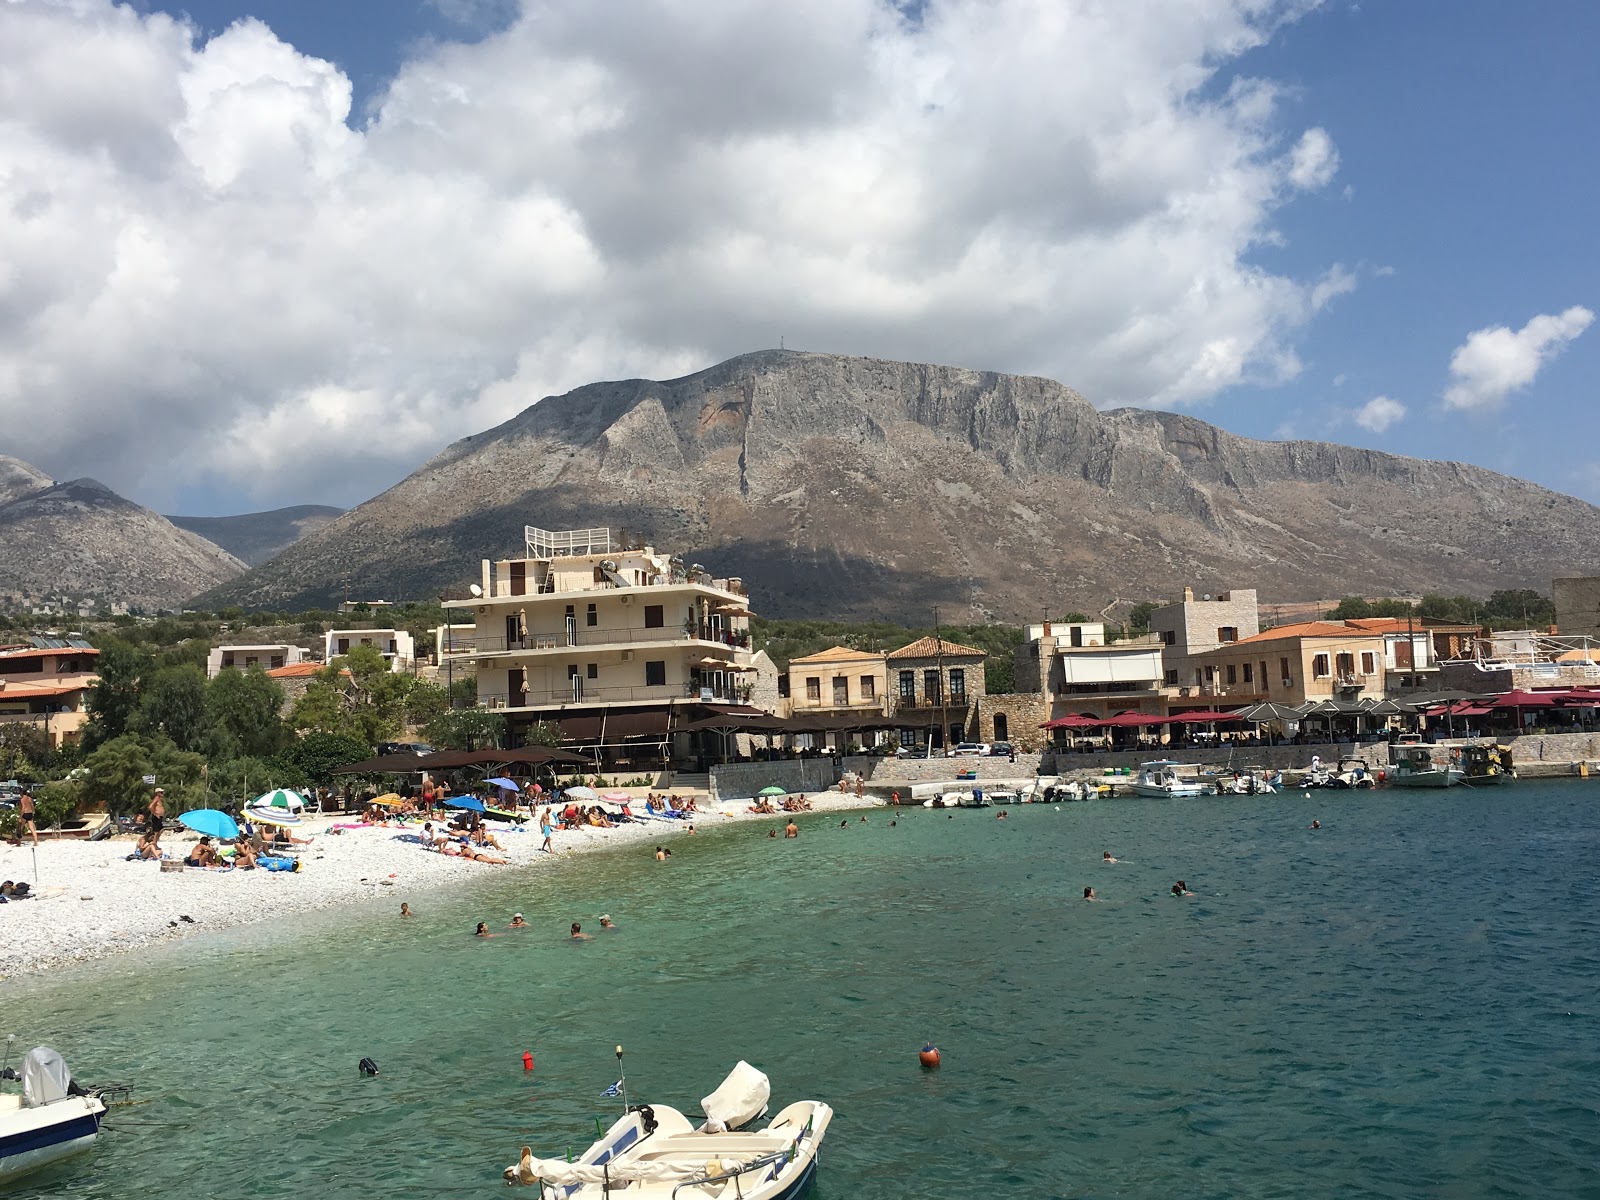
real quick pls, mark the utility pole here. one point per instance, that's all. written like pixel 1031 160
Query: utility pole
pixel 938 658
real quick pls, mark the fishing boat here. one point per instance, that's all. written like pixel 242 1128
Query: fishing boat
pixel 1161 778
pixel 49 1118
pixel 654 1151
pixel 1486 765
pixel 1416 768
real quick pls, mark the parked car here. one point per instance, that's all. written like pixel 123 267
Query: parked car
pixel 966 749
pixel 404 748
pixel 1000 750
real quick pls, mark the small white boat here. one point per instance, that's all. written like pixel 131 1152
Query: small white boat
pixel 1417 768
pixel 50 1119
pixel 1247 783
pixel 655 1153
pixel 1161 778
pixel 1003 796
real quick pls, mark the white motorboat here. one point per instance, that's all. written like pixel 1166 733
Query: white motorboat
pixel 50 1119
pixel 656 1152
pixel 1162 778
pixel 1248 783
pixel 1003 795
pixel 1354 774
pixel 1416 768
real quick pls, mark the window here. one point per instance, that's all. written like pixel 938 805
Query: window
pixel 841 690
pixel 1249 673
pixel 1283 667
pixel 1169 637
pixel 1228 633
pixel 655 616
pixel 958 685
pixel 1211 674
pixel 1172 676
pixel 814 690
pixel 592 671
pixel 1076 636
pixel 592 617
pixel 1002 728
pixel 1369 663
pixel 869 688
pixel 908 737
pixel 908 685
pixel 1233 673
pixel 655 674
pixel 1265 681
pixel 1319 666
pixel 931 690
pixel 783 686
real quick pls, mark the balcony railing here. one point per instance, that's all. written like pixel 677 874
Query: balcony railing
pixel 727 693
pixel 458 645
pixel 956 700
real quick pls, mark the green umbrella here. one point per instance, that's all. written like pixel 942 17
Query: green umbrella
pixel 774 790
pixel 281 798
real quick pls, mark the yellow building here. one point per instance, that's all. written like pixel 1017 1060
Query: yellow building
pixel 617 643
pixel 46 684
pixel 838 682
pixel 1291 664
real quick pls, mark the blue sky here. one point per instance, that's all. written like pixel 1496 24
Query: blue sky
pixel 1156 246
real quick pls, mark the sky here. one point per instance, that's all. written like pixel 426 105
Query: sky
pixel 267 252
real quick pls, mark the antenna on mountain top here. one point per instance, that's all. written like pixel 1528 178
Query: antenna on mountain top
pixel 780 341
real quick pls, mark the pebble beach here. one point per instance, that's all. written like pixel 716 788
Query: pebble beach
pixel 90 902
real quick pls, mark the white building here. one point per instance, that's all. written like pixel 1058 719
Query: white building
pixel 396 645
pixel 245 657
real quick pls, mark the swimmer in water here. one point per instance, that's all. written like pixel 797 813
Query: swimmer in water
pixel 405 910
pixel 1105 857
pixel 517 922
pixel 1181 889
pixel 791 830
pixel 482 930
pixel 1315 824
pixel 578 935
pixel 1088 894
pixel 1001 815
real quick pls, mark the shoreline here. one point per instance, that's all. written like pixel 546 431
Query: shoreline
pixel 92 904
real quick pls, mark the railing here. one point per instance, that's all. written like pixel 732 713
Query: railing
pixel 955 701
pixel 590 694
pixel 734 1171
pixel 590 635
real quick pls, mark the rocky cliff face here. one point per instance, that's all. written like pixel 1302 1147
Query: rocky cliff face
pixel 858 487
pixel 255 537
pixel 82 541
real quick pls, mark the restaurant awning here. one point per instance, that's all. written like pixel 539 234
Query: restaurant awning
pixel 615 726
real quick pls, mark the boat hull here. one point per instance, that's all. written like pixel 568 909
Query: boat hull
pixel 34 1138
pixel 1426 779
pixel 1157 791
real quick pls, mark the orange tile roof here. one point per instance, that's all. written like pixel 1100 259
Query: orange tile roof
pixel 299 670
pixel 933 647
pixel 13 690
pixel 838 654
pixel 1401 625
pixel 1305 629
pixel 63 651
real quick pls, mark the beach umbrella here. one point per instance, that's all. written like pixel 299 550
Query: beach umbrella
pixel 281 798
pixel 582 793
pixel 470 803
pixel 271 816
pixel 504 784
pixel 773 790
pixel 210 822
pixel 390 800
pixel 617 797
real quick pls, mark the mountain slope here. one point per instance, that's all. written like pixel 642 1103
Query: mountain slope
pixel 83 541
pixel 857 487
pixel 253 538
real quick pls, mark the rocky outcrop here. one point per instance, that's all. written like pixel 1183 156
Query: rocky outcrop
pixel 863 488
pixel 81 542
pixel 255 537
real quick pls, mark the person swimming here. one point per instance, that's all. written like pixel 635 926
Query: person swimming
pixel 578 935
pixel 1105 857
pixel 1088 894
pixel 517 922
pixel 482 930
pixel 405 910
pixel 1316 824
pixel 1181 889
pixel 607 923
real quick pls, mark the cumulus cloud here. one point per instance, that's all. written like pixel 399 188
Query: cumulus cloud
pixel 209 277
pixel 1494 362
pixel 1379 413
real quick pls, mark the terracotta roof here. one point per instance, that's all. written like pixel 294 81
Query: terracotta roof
pixel 838 654
pixel 933 647
pixel 300 670
pixel 61 651
pixel 12 690
pixel 1305 629
pixel 1400 625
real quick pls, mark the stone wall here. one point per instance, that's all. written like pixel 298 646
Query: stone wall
pixel 1578 606
pixel 737 780
pixel 1024 713
pixel 887 772
pixel 1276 758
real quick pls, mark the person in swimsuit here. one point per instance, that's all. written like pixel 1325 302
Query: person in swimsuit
pixel 482 930
pixel 405 910
pixel 1181 889
pixel 578 935
pixel 1088 894
pixel 517 922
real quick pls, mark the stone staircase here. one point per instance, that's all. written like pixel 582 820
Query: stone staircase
pixel 690 781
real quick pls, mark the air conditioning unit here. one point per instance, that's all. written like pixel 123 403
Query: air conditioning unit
pixel 627 656
pixel 1288 683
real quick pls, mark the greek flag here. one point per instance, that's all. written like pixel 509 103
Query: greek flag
pixel 614 1090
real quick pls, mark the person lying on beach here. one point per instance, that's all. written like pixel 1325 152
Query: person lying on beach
pixel 482 856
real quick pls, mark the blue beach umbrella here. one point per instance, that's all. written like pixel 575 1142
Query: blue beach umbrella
pixel 509 785
pixel 470 803
pixel 210 822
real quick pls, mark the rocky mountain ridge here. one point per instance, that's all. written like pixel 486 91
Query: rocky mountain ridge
pixel 863 488
pixel 80 542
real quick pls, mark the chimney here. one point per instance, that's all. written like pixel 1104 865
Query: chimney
pixel 1046 632
pixel 1188 595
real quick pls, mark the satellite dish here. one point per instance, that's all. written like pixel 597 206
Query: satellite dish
pixel 478 591
pixel 1207 596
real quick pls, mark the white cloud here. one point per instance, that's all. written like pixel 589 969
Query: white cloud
pixel 1379 413
pixel 1314 161
pixel 1494 362
pixel 207 275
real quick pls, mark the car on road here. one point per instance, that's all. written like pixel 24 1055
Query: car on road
pixel 969 750
pixel 404 748
pixel 1000 750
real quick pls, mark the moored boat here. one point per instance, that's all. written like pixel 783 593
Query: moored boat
pixel 654 1151
pixel 48 1119
pixel 1416 767
pixel 1161 778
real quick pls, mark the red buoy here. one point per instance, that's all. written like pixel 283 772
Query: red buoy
pixel 928 1056
pixel 527 1060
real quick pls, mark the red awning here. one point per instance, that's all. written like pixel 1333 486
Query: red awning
pixel 1526 699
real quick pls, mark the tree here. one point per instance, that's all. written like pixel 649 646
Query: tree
pixel 246 777
pixel 466 729
pixel 999 675
pixel 318 754
pixel 423 702
pixel 1521 606
pixel 1139 617
pixel 1354 608
pixel 114 774
pixel 173 703
pixel 115 695
pixel 542 733
pixel 243 709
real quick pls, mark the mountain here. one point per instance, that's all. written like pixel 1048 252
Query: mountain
pixel 81 541
pixel 253 538
pixel 860 488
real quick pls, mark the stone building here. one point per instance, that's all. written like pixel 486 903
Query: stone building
pixel 937 680
pixel 1578 606
pixel 1189 629
pixel 1291 664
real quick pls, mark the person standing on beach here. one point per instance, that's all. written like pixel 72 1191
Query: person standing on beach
pixel 155 816
pixel 547 830
pixel 25 807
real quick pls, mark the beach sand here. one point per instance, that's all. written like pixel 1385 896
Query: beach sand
pixel 90 902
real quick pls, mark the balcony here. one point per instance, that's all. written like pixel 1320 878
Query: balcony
pixel 1347 682
pixel 591 637
pixel 956 701
pixel 587 694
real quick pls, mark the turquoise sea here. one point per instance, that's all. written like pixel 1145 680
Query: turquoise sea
pixel 1403 1003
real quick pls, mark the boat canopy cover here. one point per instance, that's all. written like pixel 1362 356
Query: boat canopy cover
pixel 45 1078
pixel 741 1097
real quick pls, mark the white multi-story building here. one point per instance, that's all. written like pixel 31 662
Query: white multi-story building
pixel 612 641
pixel 396 645
pixel 268 658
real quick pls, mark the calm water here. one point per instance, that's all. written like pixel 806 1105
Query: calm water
pixel 1402 1003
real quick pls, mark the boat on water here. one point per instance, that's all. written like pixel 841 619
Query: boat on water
pixel 1249 782
pixel 1416 767
pixel 1162 778
pixel 1483 765
pixel 654 1151
pixel 47 1118
pixel 1353 774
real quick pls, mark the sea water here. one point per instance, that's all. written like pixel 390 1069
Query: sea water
pixel 1401 1003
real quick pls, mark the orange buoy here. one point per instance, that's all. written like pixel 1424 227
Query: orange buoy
pixel 928 1056
pixel 527 1060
